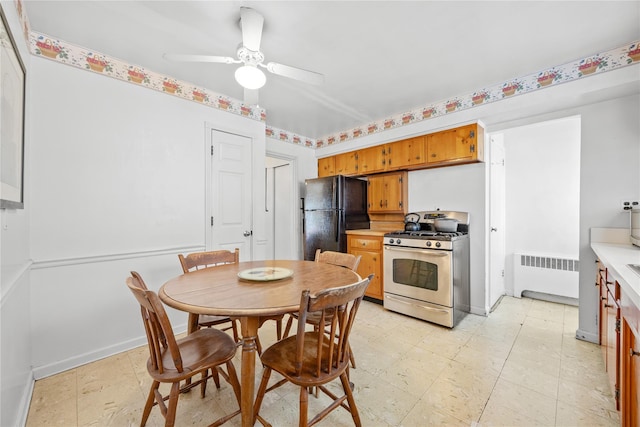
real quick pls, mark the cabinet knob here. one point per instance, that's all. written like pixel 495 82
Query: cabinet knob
pixel 632 352
pixel 603 298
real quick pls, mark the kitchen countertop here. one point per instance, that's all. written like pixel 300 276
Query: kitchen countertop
pixel 368 232
pixel 615 256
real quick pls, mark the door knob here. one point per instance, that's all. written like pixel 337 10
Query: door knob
pixel 494 229
pixel 247 233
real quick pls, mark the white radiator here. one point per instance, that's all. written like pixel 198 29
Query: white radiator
pixel 548 275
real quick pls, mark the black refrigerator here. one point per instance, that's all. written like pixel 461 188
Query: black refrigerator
pixel 332 205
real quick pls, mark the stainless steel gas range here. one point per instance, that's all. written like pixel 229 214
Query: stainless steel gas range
pixel 426 272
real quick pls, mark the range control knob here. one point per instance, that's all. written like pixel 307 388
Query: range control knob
pixel 398 241
pixel 391 241
pixel 428 244
pixel 438 244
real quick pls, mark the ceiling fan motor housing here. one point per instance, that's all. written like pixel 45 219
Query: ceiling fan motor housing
pixel 250 57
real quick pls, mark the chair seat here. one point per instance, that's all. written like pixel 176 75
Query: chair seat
pixel 199 351
pixel 205 320
pixel 281 357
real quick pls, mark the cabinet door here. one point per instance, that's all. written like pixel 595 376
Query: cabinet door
pixel 613 345
pixel 370 250
pixel 326 166
pixel 394 200
pixel 439 145
pixel 601 282
pixel 406 153
pixel 376 194
pixel 372 159
pixel 370 262
pixel 346 163
pixel 465 146
pixel 454 145
pixel 630 398
pixel 387 193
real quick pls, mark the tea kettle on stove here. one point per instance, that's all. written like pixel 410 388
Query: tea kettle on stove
pixel 412 222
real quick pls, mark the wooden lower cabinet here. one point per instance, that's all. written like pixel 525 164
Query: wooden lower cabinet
pixel 630 378
pixel 620 343
pixel 629 362
pixel 369 248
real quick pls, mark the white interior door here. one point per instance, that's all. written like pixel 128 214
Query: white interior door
pixel 230 186
pixel 497 220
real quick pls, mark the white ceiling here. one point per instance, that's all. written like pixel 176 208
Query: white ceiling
pixel 379 58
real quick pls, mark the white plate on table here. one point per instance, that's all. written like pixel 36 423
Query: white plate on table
pixel 265 274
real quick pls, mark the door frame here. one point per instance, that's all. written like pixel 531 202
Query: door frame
pixel 496 239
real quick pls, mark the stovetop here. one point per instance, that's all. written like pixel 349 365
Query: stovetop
pixel 425 235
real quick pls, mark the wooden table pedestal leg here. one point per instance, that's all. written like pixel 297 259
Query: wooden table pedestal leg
pixel 249 327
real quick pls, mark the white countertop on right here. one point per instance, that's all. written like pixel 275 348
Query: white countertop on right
pixel 617 257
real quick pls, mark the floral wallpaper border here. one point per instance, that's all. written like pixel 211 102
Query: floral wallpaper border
pixel 66 53
pixel 58 50
pixel 591 65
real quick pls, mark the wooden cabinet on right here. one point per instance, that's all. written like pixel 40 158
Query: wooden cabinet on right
pixel 619 329
pixel 461 145
pixel 629 362
pixel 370 250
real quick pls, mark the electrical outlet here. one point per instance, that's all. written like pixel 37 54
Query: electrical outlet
pixel 628 204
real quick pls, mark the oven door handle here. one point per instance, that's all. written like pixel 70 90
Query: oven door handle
pixel 432 252
pixel 438 310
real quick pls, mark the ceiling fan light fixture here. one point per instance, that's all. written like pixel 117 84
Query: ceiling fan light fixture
pixel 250 77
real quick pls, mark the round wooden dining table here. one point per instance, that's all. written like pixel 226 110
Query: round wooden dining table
pixel 221 290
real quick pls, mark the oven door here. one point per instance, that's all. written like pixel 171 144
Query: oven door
pixel 420 274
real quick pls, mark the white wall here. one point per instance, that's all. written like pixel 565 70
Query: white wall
pixel 542 197
pixel 610 172
pixel 16 379
pixel 118 183
pixel 458 188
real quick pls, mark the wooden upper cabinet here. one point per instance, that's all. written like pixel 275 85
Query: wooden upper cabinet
pixel 464 144
pixel 387 193
pixel 326 166
pixel 346 163
pixel 460 145
pixel 372 159
pixel 406 153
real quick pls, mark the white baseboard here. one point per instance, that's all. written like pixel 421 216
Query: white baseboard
pixel 587 336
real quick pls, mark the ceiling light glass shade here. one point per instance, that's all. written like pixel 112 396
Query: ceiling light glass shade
pixel 250 77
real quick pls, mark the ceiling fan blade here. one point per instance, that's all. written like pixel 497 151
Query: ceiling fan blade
pixel 296 73
pixel 251 96
pixel 251 23
pixel 199 58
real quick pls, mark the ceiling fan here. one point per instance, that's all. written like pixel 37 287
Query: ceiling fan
pixel 249 74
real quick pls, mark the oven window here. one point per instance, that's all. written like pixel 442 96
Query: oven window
pixel 416 273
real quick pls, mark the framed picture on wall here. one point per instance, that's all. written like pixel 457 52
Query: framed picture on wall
pixel 12 100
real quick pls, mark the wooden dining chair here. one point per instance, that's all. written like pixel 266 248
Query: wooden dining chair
pixel 341 259
pixel 197 261
pixel 174 360
pixel 314 358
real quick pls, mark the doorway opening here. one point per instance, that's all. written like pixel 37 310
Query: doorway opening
pixel 280 203
pixel 540 211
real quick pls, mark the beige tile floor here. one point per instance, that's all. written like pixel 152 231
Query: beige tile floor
pixel 520 366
